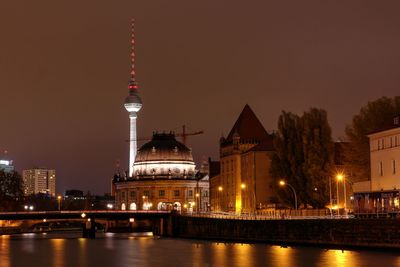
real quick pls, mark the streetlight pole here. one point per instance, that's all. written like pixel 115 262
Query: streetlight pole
pixel 345 196
pixel 340 177
pixel 330 194
pixel 283 183
pixel 337 193
pixel 59 202
pixel 219 197
pixel 243 186
pixel 198 202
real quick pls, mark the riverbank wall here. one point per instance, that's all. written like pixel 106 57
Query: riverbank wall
pixel 368 233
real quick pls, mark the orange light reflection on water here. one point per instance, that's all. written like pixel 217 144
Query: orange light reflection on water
pixel 340 258
pixel 58 250
pixel 5 251
pixel 197 252
pixel 219 250
pixel 281 256
pixel 242 255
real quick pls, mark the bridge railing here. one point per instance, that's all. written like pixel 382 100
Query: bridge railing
pixel 233 216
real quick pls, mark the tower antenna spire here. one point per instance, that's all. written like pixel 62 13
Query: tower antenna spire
pixel 132 104
pixel 132 83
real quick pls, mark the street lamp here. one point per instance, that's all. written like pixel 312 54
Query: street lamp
pixel 198 202
pixel 340 177
pixel 59 202
pixel 219 197
pixel 330 194
pixel 243 186
pixel 283 183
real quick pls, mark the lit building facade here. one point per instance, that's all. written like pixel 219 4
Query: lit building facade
pixel 39 180
pixel 382 192
pixel 6 165
pixel 244 183
pixel 164 179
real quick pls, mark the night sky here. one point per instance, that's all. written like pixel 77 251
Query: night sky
pixel 64 69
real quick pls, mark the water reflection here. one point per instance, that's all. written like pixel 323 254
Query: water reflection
pixel 29 245
pixel 58 252
pixel 198 255
pixel 339 258
pixel 280 256
pixel 82 251
pixel 219 251
pixel 129 250
pixel 242 255
pixel 5 251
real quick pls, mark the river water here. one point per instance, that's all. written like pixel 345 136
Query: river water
pixel 59 250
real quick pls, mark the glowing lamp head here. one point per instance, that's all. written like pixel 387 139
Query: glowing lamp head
pixel 220 188
pixel 340 177
pixel 282 183
pixel 243 186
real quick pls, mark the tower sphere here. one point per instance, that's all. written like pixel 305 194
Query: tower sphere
pixel 133 103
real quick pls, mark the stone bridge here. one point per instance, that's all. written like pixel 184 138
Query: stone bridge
pixel 156 221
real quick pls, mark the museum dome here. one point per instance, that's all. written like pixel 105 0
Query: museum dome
pixel 164 156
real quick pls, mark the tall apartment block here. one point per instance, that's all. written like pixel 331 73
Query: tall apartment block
pixel 39 180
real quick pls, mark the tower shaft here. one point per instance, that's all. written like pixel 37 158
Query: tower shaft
pixel 133 142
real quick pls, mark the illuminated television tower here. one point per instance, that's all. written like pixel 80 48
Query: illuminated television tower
pixel 132 104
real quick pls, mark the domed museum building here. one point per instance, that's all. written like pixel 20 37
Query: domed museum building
pixel 164 178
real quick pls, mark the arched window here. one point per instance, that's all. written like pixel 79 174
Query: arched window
pixel 123 206
pixel 132 206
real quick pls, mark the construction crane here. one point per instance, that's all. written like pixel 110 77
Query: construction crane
pixel 184 134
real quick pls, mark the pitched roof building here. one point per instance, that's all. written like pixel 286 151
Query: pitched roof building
pixel 244 183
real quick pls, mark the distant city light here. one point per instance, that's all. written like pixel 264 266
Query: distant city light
pixel 5 162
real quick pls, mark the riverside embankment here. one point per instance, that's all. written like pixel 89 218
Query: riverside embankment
pixel 368 233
